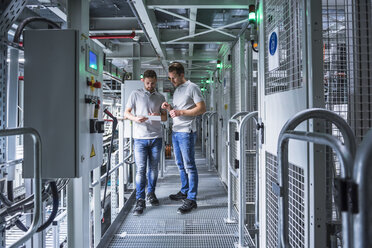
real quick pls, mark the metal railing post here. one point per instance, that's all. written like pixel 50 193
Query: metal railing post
pixel 230 169
pixel 36 219
pixel 345 152
pixel 121 160
pixel 131 152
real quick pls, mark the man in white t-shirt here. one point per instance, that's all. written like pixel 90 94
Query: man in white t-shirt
pixel 188 103
pixel 147 136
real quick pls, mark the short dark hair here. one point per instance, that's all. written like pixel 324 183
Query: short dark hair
pixel 149 74
pixel 177 67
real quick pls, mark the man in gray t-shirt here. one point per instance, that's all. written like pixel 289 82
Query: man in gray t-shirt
pixel 188 103
pixel 146 103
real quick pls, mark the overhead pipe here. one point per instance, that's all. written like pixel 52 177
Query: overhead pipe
pixel 105 37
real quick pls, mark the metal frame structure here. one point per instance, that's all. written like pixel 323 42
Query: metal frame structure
pixel 242 179
pixel 7 18
pixel 242 126
pixel 231 170
pixel 37 213
pixel 346 153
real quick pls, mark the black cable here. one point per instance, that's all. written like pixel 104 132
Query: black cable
pixel 21 226
pixel 54 191
pixel 53 214
pixel 5 200
pixel 23 205
pixel 26 21
pixel 108 167
pixel 9 189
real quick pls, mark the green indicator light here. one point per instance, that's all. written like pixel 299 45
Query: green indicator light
pixel 208 81
pixel 93 66
pixel 141 76
pixel 219 65
pixel 252 17
pixel 202 89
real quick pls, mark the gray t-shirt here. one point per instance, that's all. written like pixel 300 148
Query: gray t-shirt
pixel 186 96
pixel 142 102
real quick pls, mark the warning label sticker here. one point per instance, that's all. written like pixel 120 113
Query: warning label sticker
pixel 93 152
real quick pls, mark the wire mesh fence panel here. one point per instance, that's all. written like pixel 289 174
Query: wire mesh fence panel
pixel 286 17
pixel 272 202
pixel 347 36
pixel 297 211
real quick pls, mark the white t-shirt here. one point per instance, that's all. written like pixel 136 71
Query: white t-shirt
pixel 142 102
pixel 186 96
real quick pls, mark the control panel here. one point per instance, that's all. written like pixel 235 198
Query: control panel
pixel 63 101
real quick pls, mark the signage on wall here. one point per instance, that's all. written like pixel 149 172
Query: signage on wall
pixel 272 49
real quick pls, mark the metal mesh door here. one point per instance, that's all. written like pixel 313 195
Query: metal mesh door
pixel 347 57
pixel 282 83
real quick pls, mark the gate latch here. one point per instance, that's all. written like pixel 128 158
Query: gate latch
pixel 261 127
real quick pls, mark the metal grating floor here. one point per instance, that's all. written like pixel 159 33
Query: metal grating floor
pixel 161 226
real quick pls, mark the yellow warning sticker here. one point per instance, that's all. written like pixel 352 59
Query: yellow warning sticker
pixel 93 152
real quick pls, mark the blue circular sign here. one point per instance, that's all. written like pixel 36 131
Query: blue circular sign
pixel 273 43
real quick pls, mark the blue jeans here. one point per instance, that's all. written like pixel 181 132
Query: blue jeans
pixel 184 152
pixel 146 150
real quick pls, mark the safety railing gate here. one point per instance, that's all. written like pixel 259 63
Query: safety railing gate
pixel 37 213
pixel 239 172
pixel 345 152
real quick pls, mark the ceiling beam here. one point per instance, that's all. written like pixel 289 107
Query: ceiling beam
pixel 115 31
pixel 147 20
pixel 193 21
pixel 192 24
pixel 205 4
pixel 207 31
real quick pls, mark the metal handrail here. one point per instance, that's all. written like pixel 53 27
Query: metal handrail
pixel 242 181
pixel 12 162
pixel 231 170
pixel 209 140
pixel 36 219
pixel 362 168
pixel 325 139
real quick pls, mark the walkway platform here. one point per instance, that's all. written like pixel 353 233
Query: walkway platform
pixel 162 227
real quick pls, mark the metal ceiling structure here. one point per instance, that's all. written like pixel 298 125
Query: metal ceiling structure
pixel 187 31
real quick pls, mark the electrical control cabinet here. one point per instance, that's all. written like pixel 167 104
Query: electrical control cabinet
pixel 63 102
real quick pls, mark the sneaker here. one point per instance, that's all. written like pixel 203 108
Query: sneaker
pixel 187 206
pixel 177 197
pixel 140 206
pixel 151 198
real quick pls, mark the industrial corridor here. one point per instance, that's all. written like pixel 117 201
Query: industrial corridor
pixel 162 227
pixel 185 123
